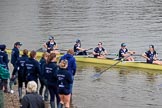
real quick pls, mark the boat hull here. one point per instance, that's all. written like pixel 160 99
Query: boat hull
pixel 122 64
pixel 86 59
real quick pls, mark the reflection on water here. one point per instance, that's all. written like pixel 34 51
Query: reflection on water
pixel 117 87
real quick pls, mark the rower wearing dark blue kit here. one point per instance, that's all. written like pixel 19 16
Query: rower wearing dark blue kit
pixel 151 56
pixel 51 45
pixel 99 52
pixel 4 65
pixel 78 49
pixel 32 68
pixel 14 57
pixel 64 82
pixel 124 52
pixel 20 66
pixel 50 75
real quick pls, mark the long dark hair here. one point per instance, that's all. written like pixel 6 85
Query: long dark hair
pixel 51 57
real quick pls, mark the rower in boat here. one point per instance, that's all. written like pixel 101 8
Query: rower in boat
pixel 99 51
pixel 78 50
pixel 151 56
pixel 51 45
pixel 125 53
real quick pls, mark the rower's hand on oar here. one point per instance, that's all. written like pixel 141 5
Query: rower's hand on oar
pixel 132 52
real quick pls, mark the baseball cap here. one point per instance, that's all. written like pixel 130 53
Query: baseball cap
pixel 2 47
pixel 78 40
pixel 51 37
pixel 18 43
pixel 123 45
pixel 151 46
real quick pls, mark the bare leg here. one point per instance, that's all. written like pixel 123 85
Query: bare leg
pixel 67 100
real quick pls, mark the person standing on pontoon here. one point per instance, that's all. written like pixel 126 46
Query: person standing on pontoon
pixel 15 54
pixel 151 56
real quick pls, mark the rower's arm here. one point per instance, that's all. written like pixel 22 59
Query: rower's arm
pixel 80 49
pixel 94 53
pixel 131 52
pixel 105 52
pixel 125 55
pixel 55 47
pixel 44 45
pixel 155 57
pixel 144 55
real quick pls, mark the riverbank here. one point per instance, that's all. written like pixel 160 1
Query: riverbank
pixel 11 100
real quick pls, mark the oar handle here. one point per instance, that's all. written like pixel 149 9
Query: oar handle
pixel 88 49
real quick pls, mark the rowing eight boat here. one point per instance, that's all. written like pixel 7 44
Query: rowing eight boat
pixel 88 59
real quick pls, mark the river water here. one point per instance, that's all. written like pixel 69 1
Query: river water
pixel 138 23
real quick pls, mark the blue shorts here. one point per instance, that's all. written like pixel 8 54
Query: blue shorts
pixel 64 91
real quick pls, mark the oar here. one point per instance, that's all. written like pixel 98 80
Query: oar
pixel 97 75
pixel 89 49
pixel 42 50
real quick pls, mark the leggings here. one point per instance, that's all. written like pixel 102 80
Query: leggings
pixel 53 90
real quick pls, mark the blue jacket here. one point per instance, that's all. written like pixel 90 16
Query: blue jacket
pixel 50 73
pixel 14 55
pixel 4 59
pixel 64 80
pixel 71 63
pixel 20 66
pixel 32 69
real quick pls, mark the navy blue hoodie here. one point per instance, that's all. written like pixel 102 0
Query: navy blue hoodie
pixel 50 73
pixel 71 63
pixel 64 81
pixel 14 55
pixel 20 66
pixel 32 69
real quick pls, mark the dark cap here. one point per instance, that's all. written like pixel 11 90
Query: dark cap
pixel 18 43
pixel 51 37
pixel 2 47
pixel 78 41
pixel 151 46
pixel 123 45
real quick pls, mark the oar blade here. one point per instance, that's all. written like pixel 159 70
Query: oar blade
pixel 96 76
